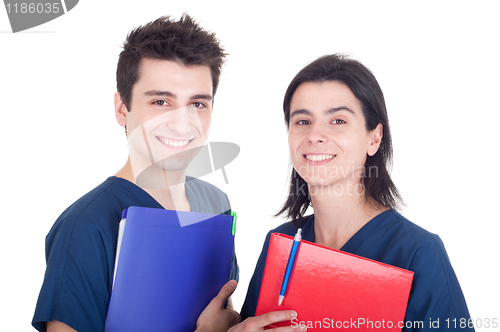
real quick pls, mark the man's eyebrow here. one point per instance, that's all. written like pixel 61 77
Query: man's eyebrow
pixel 160 93
pixel 205 97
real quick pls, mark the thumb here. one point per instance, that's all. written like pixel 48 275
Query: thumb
pixel 226 291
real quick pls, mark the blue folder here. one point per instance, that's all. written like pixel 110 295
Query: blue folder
pixel 169 266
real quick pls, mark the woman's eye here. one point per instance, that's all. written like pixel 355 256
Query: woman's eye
pixel 338 121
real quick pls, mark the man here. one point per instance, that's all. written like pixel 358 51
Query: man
pixel 167 76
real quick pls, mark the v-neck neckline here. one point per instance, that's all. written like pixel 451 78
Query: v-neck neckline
pixel 358 238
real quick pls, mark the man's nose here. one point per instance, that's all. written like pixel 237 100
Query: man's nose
pixel 180 122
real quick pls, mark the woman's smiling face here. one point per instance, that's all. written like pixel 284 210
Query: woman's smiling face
pixel 327 136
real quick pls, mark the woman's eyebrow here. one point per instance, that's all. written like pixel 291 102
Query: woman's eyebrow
pixel 338 109
pixel 327 112
pixel 301 111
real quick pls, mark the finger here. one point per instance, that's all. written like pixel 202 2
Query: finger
pixel 275 317
pixel 299 328
pixel 235 318
pixel 293 327
pixel 226 291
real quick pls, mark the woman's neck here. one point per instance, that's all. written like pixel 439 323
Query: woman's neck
pixel 337 217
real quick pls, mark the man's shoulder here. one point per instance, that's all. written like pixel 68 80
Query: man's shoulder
pixel 205 197
pixel 97 201
pixel 204 187
pixel 100 205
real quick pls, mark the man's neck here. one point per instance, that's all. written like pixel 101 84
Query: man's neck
pixel 166 187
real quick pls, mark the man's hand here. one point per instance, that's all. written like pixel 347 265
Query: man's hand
pixel 215 317
pixel 258 323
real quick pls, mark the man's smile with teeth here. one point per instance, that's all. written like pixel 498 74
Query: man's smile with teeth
pixel 174 143
pixel 318 157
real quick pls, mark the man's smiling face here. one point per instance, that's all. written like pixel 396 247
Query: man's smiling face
pixel 170 114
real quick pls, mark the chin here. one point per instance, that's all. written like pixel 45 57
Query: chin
pixel 319 182
pixel 175 163
pixel 316 176
pixel 153 177
pixel 179 160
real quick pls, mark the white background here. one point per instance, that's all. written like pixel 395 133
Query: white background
pixel 436 61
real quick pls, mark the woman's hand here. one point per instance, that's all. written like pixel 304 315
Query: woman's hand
pixel 258 323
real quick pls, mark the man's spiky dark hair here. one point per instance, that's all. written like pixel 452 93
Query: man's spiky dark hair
pixel 163 39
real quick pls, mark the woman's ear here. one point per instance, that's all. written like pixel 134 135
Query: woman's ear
pixel 375 139
pixel 120 110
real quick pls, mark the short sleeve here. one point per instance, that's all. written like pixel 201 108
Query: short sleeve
pixel 436 300
pixel 75 290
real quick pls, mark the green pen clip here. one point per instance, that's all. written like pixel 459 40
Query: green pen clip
pixel 233 214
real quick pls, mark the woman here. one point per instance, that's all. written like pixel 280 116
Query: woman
pixel 340 148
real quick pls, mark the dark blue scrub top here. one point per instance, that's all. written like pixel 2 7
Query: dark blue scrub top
pixel 81 249
pixel 392 239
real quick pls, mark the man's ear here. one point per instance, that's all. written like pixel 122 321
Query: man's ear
pixel 376 138
pixel 120 110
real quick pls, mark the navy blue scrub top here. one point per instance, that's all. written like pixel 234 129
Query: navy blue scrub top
pixel 392 239
pixel 81 249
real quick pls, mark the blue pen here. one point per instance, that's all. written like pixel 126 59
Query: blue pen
pixel 290 264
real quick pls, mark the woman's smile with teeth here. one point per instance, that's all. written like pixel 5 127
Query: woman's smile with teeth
pixel 319 157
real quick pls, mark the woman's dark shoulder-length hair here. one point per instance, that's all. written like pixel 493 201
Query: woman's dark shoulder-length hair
pixel 377 183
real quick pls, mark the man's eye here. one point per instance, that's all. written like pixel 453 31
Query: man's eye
pixel 303 122
pixel 338 121
pixel 160 102
pixel 198 104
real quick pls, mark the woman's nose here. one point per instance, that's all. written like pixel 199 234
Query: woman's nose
pixel 317 134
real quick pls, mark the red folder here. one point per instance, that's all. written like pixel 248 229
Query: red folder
pixel 331 289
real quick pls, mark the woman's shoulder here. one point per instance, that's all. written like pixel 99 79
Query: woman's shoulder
pixel 435 284
pixel 290 228
pixel 407 230
pixel 394 239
